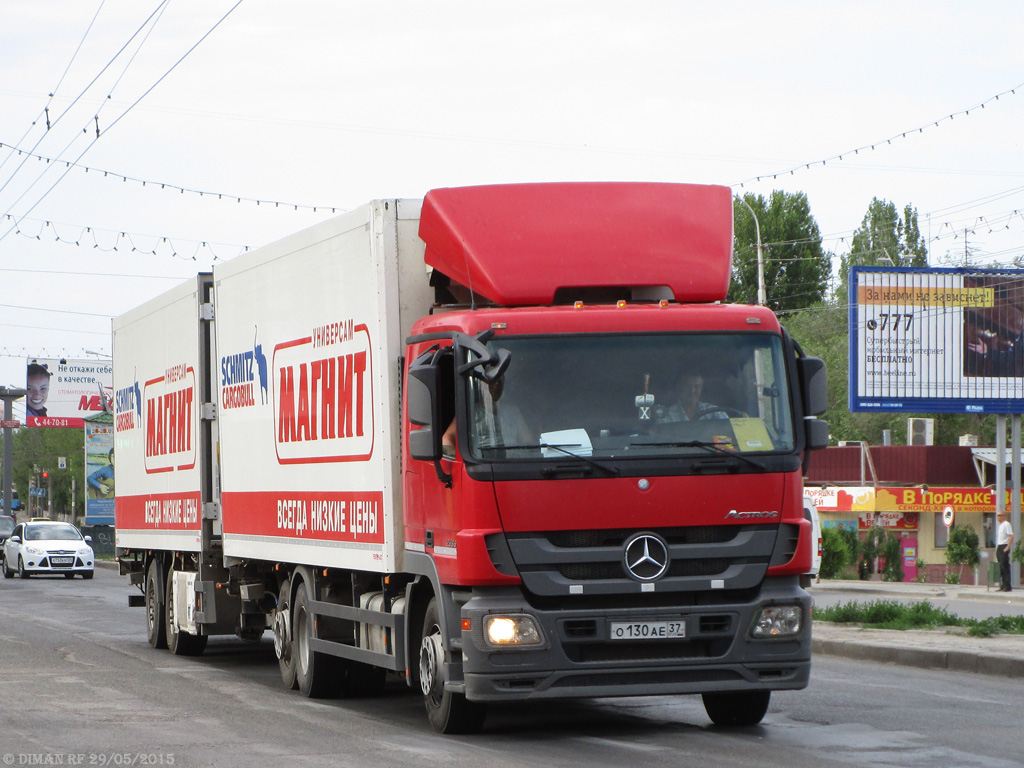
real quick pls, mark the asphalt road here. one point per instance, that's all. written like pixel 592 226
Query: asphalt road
pixel 77 679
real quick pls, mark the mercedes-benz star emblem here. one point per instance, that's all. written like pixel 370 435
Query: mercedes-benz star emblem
pixel 646 557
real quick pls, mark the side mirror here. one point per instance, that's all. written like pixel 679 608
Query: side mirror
pixel 15 539
pixel 816 433
pixel 88 539
pixel 422 386
pixel 813 385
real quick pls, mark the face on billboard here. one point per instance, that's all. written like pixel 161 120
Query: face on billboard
pixel 65 393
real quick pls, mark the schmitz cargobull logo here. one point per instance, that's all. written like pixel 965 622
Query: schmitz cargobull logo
pixel 323 395
pixel 240 372
pixel 170 420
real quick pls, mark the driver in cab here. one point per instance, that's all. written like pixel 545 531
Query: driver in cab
pixel 688 405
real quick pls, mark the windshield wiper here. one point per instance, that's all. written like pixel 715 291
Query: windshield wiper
pixel 564 448
pixel 707 446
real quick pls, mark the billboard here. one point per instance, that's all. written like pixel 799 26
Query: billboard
pixel 99 471
pixel 926 340
pixel 64 393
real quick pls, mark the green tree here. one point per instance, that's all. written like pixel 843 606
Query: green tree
pixel 885 237
pixel 796 268
pixel 41 447
pixel 890 550
pixel 835 555
pixel 962 547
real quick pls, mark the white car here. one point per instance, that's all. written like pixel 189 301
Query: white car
pixel 48 547
pixel 811 513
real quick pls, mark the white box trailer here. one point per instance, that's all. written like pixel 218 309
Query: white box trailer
pixel 306 471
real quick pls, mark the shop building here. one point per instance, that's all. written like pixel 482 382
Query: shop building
pixel 913 492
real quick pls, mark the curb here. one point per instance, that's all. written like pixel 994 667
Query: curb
pixel 985 662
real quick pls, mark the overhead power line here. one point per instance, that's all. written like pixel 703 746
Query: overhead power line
pixel 883 142
pixel 174 187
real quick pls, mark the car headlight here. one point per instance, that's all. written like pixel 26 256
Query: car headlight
pixel 85 552
pixel 778 621
pixel 511 630
pixel 35 550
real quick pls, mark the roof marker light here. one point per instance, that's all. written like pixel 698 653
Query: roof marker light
pixel 578 305
pixel 620 303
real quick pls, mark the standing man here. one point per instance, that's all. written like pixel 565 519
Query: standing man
pixel 1004 540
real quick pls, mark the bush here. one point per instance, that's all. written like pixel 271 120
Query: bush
pixel 890 550
pixel 835 554
pixel 962 547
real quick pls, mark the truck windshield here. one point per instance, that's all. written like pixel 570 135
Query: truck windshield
pixel 633 396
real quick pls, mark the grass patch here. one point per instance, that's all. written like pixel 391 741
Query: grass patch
pixel 889 614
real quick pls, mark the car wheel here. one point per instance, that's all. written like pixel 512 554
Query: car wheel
pixel 87 575
pixel 70 575
pixel 22 573
pixel 8 573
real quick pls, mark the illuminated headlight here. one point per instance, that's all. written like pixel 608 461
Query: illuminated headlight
pixel 778 621
pixel 514 630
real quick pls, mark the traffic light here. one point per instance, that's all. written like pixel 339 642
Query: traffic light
pixel 45 474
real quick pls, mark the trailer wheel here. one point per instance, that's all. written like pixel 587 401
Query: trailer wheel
pixel 316 672
pixel 283 647
pixel 156 629
pixel 737 709
pixel 448 711
pixel 180 643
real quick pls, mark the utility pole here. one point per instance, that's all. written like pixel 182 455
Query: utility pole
pixel 9 395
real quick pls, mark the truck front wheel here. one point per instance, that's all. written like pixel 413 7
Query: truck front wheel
pixel 156 630
pixel 449 712
pixel 737 709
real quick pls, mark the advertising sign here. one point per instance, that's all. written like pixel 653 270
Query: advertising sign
pixel 936 340
pixel 64 393
pixel 99 472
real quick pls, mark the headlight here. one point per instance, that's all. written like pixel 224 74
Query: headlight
pixel 85 552
pixel 778 621
pixel 34 550
pixel 512 630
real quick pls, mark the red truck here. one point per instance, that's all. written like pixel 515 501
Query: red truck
pixel 506 443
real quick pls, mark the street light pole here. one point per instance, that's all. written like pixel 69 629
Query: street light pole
pixel 762 297
pixel 9 395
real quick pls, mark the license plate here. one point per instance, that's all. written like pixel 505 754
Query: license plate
pixel 62 562
pixel 648 630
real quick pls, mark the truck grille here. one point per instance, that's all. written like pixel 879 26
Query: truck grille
pixel 702 558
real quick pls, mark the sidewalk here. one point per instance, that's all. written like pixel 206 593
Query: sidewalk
pixel 930 649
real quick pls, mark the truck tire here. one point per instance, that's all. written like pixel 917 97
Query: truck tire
pixel 448 712
pixel 180 643
pixel 156 619
pixel 282 627
pixel 731 710
pixel 317 674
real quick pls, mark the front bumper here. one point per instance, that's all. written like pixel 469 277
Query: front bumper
pixel 577 658
pixel 58 563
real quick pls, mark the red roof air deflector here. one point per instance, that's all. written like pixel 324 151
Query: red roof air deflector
pixel 516 244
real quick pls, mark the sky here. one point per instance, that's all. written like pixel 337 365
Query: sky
pixel 225 125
